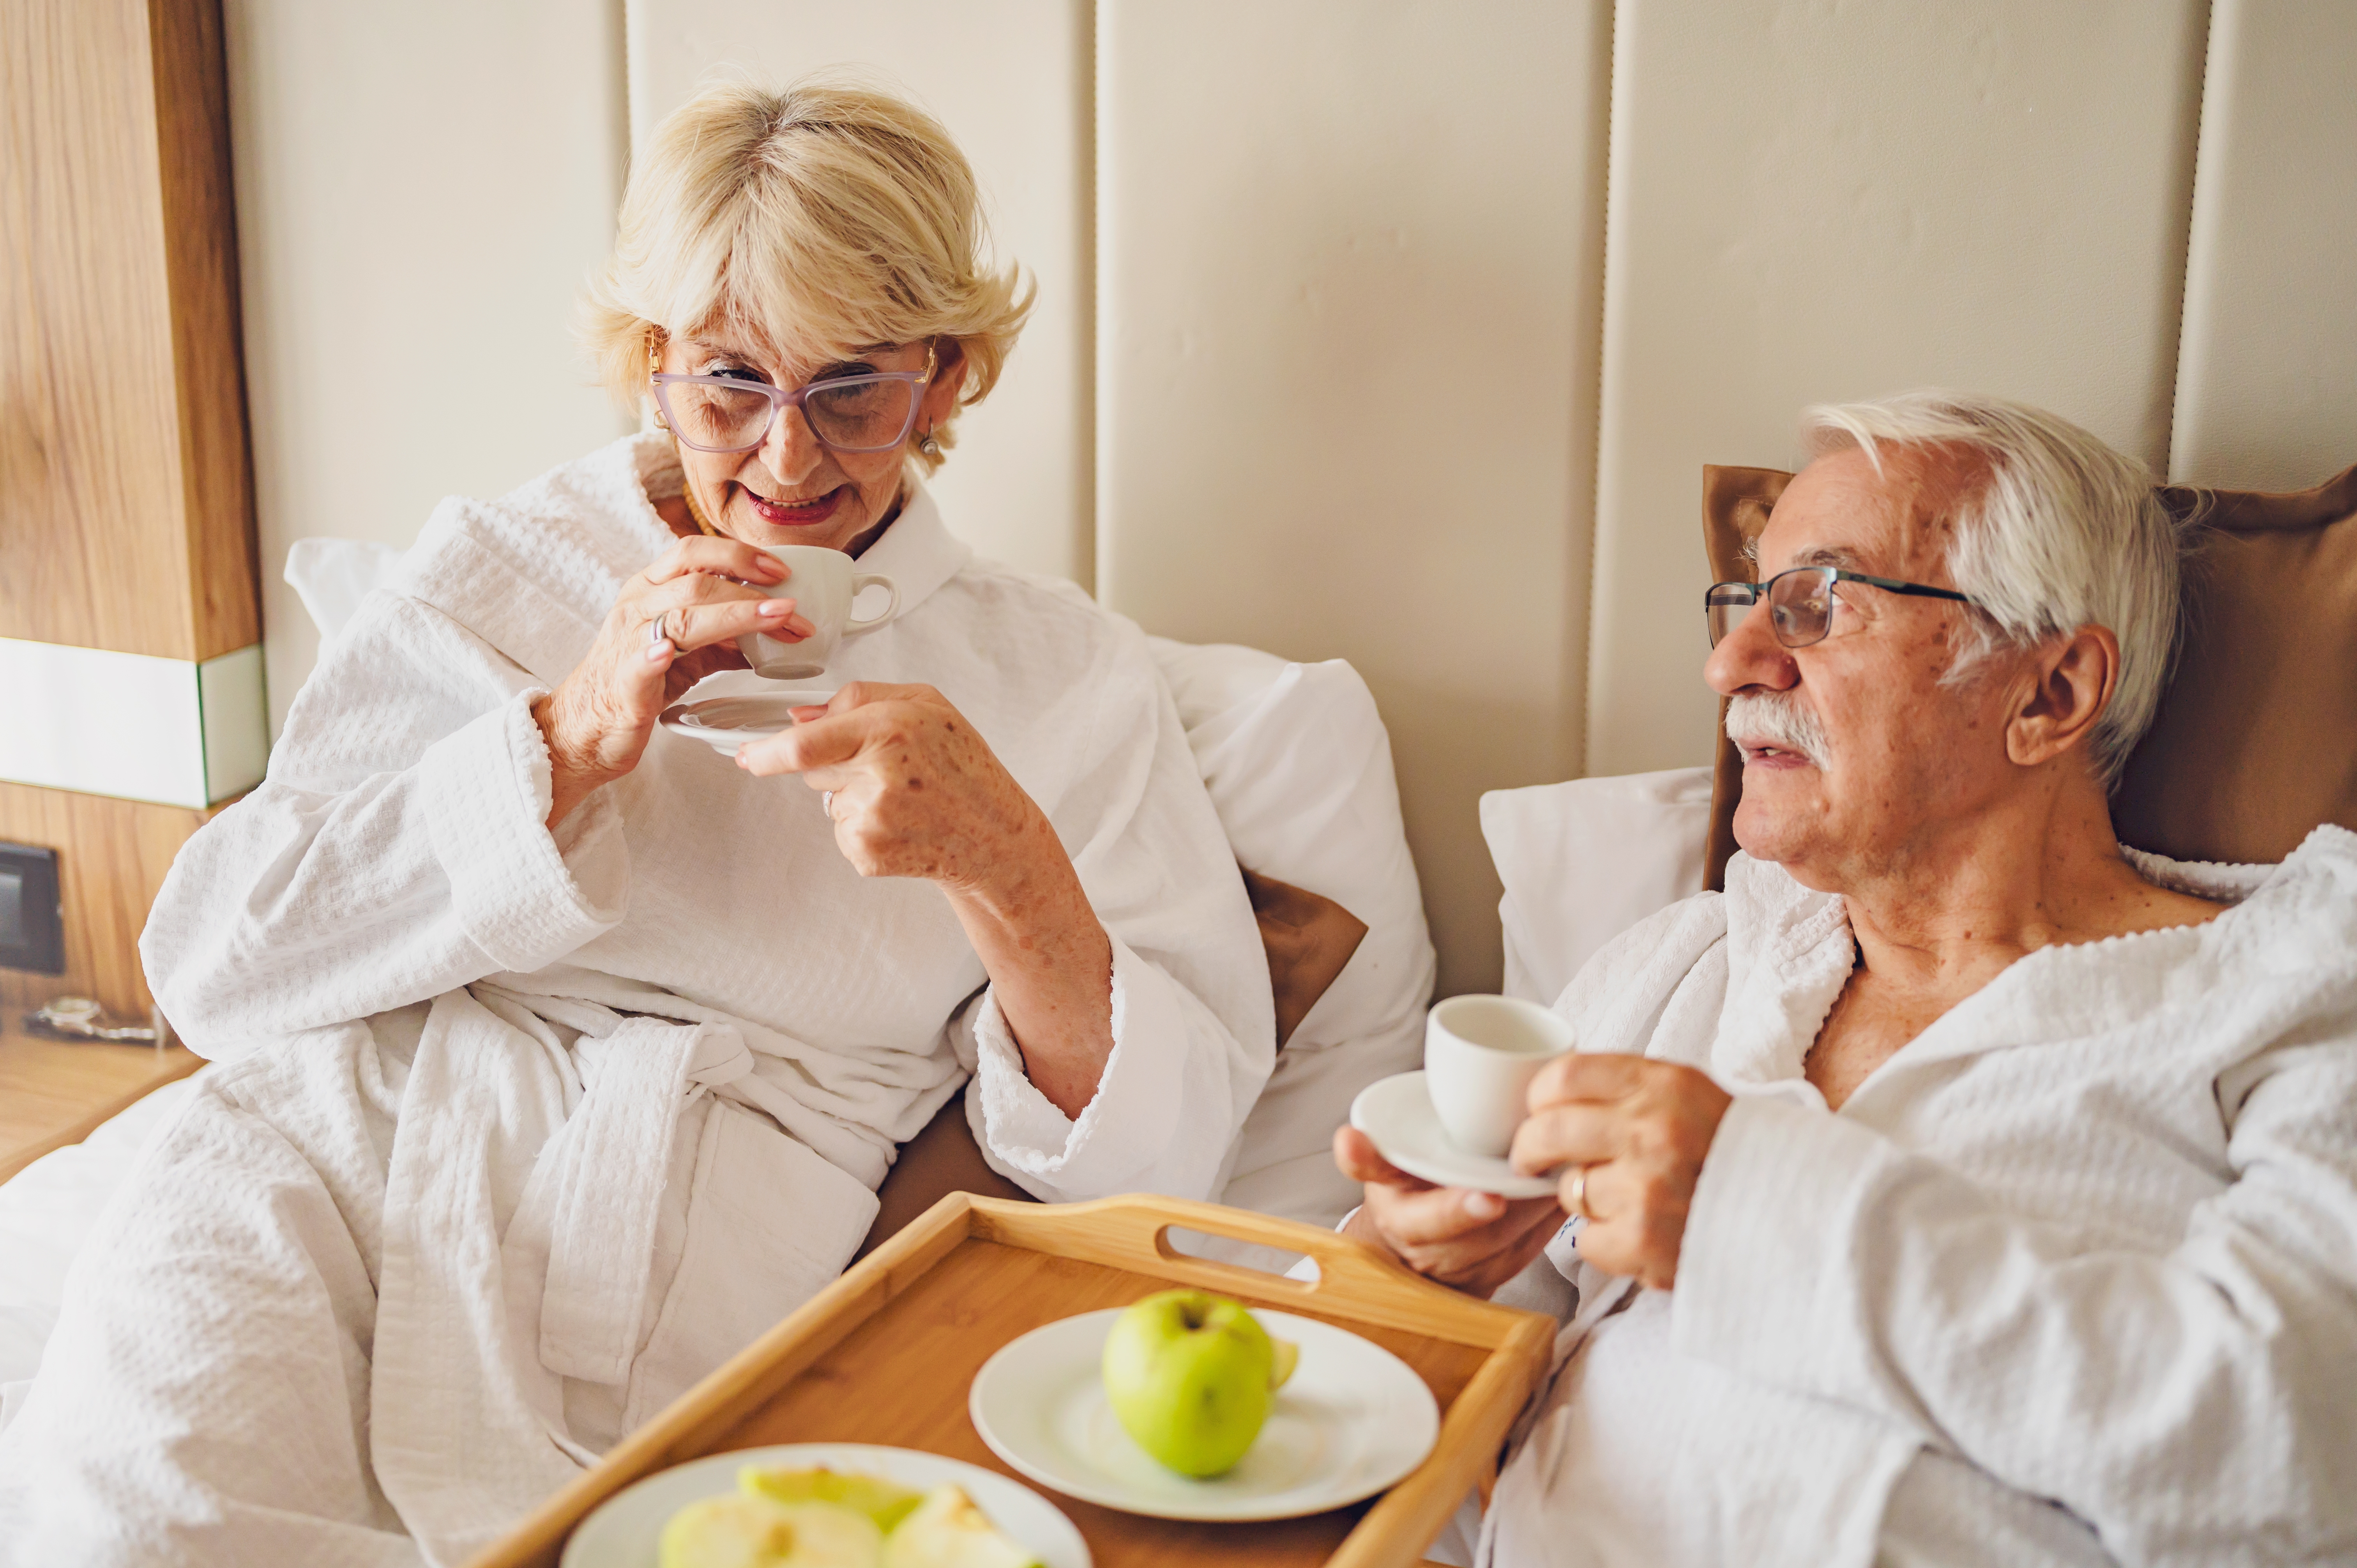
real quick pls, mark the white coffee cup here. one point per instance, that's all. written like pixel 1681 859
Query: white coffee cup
pixel 821 583
pixel 1479 1056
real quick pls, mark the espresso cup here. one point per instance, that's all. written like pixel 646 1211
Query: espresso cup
pixel 821 583
pixel 1479 1056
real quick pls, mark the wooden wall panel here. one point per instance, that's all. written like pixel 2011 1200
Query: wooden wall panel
pixel 126 522
pixel 191 86
pixel 112 857
pixel 93 543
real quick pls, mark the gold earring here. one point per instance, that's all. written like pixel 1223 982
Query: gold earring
pixel 655 369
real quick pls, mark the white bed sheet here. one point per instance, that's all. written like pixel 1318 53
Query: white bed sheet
pixel 47 1211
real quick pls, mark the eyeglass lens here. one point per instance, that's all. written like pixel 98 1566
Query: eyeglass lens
pixel 1800 605
pixel 856 414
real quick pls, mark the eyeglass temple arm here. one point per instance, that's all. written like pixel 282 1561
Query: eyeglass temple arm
pixel 1921 590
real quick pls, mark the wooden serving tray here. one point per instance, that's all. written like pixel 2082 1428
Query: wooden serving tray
pixel 887 1353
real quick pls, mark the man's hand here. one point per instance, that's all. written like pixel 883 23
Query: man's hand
pixel 1472 1241
pixel 1641 1130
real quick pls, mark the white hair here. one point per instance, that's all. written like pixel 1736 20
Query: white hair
pixel 2062 533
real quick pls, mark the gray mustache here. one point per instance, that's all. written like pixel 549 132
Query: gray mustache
pixel 1776 718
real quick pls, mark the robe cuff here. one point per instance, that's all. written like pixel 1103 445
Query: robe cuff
pixel 1769 1270
pixel 527 897
pixel 1118 1143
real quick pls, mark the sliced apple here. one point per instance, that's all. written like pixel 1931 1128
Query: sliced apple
pixel 743 1531
pixel 948 1530
pixel 885 1502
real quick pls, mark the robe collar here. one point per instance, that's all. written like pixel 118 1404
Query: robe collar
pixel 1790 950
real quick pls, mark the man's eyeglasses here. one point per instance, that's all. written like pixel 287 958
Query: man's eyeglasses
pixel 1799 602
pixel 848 414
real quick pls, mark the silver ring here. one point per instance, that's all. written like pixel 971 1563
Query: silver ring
pixel 1579 1193
pixel 656 636
pixel 826 803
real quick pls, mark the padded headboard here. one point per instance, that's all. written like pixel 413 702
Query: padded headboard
pixel 2255 743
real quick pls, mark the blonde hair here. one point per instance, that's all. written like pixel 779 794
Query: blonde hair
pixel 827 217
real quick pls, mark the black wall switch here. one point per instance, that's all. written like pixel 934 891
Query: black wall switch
pixel 32 920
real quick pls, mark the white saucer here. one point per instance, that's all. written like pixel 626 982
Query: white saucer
pixel 625 1529
pixel 725 724
pixel 1351 1420
pixel 1397 1114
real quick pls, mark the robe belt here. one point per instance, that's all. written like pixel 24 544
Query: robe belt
pixel 613 1159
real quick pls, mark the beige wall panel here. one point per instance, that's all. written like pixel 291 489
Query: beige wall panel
pixel 1011 80
pixel 1348 291
pixel 2267 385
pixel 1814 202
pixel 422 190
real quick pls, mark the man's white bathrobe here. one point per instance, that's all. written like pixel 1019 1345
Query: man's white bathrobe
pixel 519 1134
pixel 2070 1279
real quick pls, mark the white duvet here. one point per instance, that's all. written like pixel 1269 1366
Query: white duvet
pixel 514 1137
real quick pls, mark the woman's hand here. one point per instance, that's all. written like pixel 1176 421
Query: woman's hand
pixel 1472 1241
pixel 598 720
pixel 1640 1129
pixel 914 790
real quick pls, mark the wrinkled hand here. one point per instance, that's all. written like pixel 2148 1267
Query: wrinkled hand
pixel 1642 1128
pixel 918 792
pixel 1472 1241
pixel 598 720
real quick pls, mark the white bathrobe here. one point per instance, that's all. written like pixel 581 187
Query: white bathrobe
pixel 519 1134
pixel 2069 1279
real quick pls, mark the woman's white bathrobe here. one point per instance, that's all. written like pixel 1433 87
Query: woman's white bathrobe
pixel 2072 1278
pixel 617 1097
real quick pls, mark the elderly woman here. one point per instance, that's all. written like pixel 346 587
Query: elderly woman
pixel 562 1056
pixel 1958 1186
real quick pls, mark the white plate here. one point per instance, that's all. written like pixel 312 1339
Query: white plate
pixel 725 724
pixel 1397 1113
pixel 626 1529
pixel 1352 1419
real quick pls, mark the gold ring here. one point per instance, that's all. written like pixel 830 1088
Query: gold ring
pixel 1579 1193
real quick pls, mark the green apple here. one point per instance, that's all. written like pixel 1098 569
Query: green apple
pixel 1190 1376
pixel 743 1531
pixel 947 1530
pixel 885 1502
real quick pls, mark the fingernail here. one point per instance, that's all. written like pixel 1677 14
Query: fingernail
pixel 1484 1205
pixel 776 607
pixel 657 651
pixel 800 627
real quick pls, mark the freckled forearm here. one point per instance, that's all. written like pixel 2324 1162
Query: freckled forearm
pixel 1050 966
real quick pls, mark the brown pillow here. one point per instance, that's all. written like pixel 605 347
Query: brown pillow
pixel 1308 939
pixel 2255 741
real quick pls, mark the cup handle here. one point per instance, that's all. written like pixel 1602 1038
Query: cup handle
pixel 873 579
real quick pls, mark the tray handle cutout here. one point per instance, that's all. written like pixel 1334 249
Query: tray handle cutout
pixel 1134 1232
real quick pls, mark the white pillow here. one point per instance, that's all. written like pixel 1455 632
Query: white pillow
pixel 331 577
pixel 1299 769
pixel 1584 861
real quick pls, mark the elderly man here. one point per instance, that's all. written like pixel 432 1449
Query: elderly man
pixel 1959 1186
